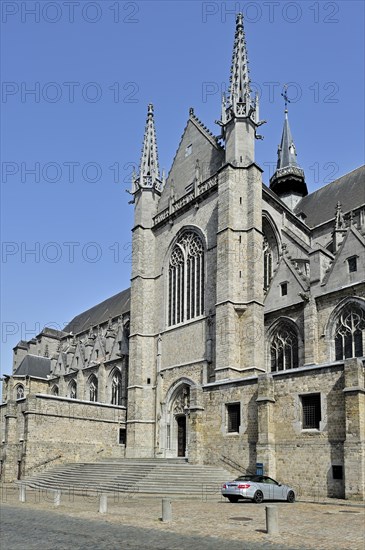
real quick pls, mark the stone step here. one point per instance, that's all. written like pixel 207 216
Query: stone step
pixel 149 476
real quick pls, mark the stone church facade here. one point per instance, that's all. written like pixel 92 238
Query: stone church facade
pixel 241 340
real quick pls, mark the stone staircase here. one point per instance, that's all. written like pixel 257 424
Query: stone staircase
pixel 134 476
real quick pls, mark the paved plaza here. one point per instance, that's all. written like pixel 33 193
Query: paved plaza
pixel 133 521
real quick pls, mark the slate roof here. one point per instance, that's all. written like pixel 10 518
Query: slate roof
pixel 112 307
pixel 320 206
pixel 34 365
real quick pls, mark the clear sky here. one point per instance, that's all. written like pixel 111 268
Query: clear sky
pixel 69 146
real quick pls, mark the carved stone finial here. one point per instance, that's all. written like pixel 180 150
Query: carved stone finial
pixel 339 219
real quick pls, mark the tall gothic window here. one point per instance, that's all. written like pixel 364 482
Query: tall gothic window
pixel 350 332
pixel 186 279
pixel 284 348
pixel 117 387
pixel 270 250
pixel 267 264
pixel 93 388
pixel 72 389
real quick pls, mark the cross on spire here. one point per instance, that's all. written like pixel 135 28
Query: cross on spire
pixel 284 93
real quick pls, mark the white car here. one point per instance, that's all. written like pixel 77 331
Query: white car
pixel 257 488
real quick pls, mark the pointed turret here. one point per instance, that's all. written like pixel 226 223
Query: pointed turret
pixel 239 119
pixel 288 181
pixel 239 92
pixel 149 173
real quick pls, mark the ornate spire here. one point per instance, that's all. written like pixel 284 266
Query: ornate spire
pixel 149 173
pixel 239 92
pixel 288 178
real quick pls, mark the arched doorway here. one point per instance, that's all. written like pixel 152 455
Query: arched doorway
pixel 176 420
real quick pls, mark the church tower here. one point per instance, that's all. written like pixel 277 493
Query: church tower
pixel 146 190
pixel 288 180
pixel 239 309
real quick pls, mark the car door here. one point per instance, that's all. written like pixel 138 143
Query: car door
pixel 272 489
pixel 264 487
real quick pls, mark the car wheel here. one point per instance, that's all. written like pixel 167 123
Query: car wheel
pixel 258 497
pixel 233 499
pixel 290 496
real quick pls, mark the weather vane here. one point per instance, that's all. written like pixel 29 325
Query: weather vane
pixel 285 96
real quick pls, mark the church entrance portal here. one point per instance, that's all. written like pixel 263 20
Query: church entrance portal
pixel 174 425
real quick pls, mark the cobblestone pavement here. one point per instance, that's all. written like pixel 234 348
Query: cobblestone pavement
pixel 133 521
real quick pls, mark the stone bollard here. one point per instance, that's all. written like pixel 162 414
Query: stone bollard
pixel 166 509
pixel 57 498
pixel 22 493
pixel 272 523
pixel 103 504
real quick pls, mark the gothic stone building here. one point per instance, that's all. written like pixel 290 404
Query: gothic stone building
pixel 242 337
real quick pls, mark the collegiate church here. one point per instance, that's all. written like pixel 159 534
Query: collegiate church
pixel 241 339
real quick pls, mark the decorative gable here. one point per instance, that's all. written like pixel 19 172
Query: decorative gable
pixel 288 286
pixel 197 144
pixel 348 266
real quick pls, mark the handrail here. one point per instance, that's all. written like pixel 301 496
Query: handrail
pixel 47 461
pixel 234 464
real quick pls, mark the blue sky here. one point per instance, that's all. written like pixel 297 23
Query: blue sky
pixel 93 68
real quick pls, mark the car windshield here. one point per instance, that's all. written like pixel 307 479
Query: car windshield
pixel 250 477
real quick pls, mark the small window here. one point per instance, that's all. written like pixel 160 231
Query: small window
pixel 352 263
pixel 284 289
pixel 233 417
pixel 122 436
pixel 188 150
pixel 19 391
pixel 148 380
pixel 337 472
pixel 311 407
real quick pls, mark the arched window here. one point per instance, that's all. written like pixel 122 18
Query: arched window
pixel 186 279
pixel 117 387
pixel 93 388
pixel 72 389
pixel 55 390
pixel 19 391
pixel 350 332
pixel 267 263
pixel 284 348
pixel 270 251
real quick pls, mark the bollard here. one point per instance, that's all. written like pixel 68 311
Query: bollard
pixel 57 498
pixel 22 494
pixel 166 509
pixel 103 504
pixel 272 523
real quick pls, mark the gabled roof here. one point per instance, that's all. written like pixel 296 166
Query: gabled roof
pixel 34 365
pixel 110 308
pixel 320 206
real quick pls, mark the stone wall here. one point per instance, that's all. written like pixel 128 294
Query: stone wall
pixel 271 429
pixel 42 430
